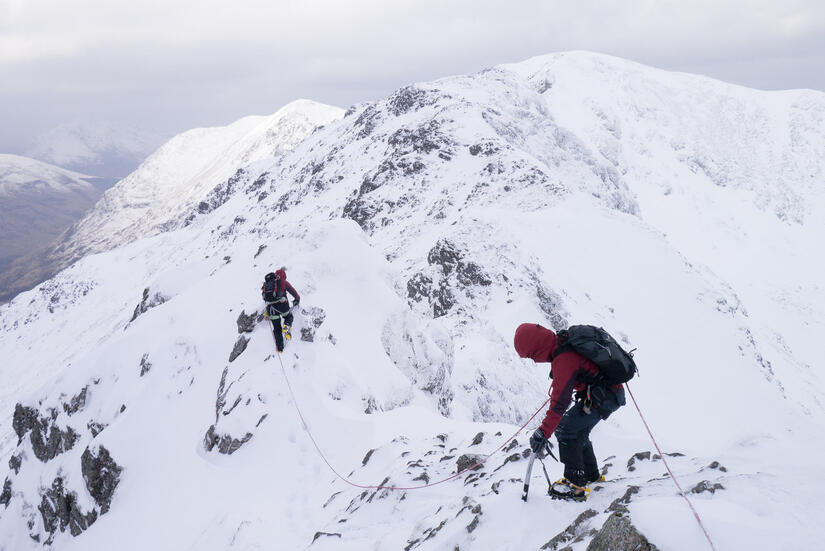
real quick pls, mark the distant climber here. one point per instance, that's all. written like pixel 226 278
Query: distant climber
pixel 596 399
pixel 274 291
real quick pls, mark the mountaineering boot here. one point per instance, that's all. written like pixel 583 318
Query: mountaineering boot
pixel 564 489
pixel 288 332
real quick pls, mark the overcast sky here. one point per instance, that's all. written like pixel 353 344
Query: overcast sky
pixel 171 65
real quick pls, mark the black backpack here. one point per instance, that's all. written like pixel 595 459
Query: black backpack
pixel 272 289
pixel 594 343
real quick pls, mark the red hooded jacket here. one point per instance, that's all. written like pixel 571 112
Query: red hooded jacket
pixel 571 371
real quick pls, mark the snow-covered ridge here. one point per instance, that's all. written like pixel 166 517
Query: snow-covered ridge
pixel 420 230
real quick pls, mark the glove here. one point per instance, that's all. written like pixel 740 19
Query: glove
pixel 539 443
pixel 296 303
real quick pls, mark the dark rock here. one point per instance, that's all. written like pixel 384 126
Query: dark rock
pixel 618 533
pixel 367 120
pixel 367 457
pixel 145 365
pixel 419 287
pixel 60 511
pixel 5 497
pixel 246 323
pixel 221 193
pixel 510 459
pixel 442 300
pixel 122 408
pixel 717 465
pixel 15 461
pixel 474 524
pixel 478 438
pixel 573 532
pixel 95 428
pixel 410 98
pixel 328 534
pixel 101 474
pixel 47 439
pixel 637 457
pixel 260 250
pixel 510 446
pixel 619 503
pixel 445 255
pixel 706 486
pixel 468 460
pixel 424 477
pixel 148 302
pixel 76 403
pixel 225 443
pixel 240 346
pixel 485 149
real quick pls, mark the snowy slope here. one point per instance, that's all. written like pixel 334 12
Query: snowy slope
pixel 421 230
pixel 97 148
pixel 37 202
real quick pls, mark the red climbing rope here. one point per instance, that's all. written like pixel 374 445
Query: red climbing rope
pixel 672 477
pixel 378 487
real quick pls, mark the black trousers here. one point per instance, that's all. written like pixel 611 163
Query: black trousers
pixel 573 434
pixel 276 312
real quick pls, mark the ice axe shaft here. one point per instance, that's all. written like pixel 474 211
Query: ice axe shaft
pixel 527 476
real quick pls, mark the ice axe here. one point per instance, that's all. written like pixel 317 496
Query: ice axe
pixel 533 457
pixel 527 476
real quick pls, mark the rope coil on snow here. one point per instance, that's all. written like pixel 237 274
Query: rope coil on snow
pixel 672 477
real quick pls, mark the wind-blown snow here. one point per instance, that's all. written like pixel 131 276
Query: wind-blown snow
pixel 420 231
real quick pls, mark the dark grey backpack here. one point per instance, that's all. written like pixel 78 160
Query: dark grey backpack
pixel 594 343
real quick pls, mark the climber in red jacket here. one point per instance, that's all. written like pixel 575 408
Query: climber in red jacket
pixel 571 372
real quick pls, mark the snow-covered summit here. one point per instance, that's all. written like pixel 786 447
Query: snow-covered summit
pixel 420 230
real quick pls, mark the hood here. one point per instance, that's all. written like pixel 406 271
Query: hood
pixel 281 274
pixel 535 342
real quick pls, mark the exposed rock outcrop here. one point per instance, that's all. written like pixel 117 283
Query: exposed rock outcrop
pixel 60 511
pixel 77 402
pixel 148 302
pixel 246 323
pixel 618 533
pixel 47 439
pixel 574 533
pixel 237 350
pixel 225 443
pixel 101 474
